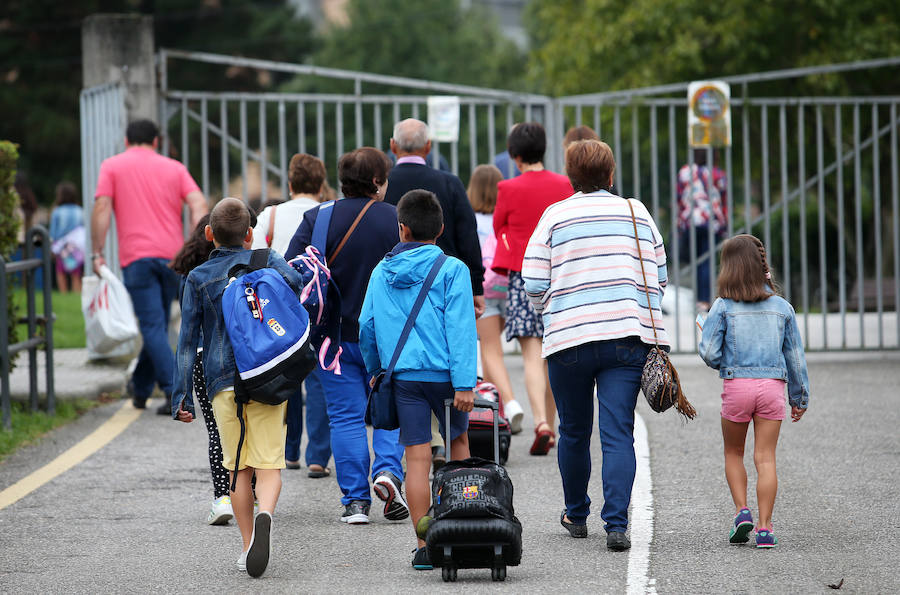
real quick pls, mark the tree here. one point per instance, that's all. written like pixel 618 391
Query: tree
pixel 40 55
pixel 582 46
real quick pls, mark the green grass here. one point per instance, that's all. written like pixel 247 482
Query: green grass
pixel 68 328
pixel 28 427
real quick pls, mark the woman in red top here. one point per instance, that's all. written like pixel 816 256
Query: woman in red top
pixel 520 203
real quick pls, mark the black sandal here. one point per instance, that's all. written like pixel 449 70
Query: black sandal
pixel 574 530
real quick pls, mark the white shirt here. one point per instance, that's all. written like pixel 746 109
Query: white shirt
pixel 288 216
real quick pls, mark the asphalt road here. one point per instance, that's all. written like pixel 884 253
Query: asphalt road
pixel 130 518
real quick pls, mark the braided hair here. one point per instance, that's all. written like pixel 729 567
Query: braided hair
pixel 745 275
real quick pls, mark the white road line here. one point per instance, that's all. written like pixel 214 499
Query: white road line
pixel 641 516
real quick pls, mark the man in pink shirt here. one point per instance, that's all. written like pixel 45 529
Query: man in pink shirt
pixel 146 191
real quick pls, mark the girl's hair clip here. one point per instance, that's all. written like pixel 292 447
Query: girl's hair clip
pixel 768 275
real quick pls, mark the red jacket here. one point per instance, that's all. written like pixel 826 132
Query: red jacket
pixel 520 203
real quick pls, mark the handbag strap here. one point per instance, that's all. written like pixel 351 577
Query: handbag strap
pixel 350 231
pixel 637 241
pixel 411 320
pixel 270 237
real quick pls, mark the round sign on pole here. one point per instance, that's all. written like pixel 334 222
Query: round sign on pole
pixel 709 114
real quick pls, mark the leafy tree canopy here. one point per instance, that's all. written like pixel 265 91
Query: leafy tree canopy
pixel 583 46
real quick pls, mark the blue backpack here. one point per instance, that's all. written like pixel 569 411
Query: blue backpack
pixel 269 333
pixel 321 296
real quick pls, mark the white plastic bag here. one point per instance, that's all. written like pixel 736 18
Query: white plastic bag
pixel 109 320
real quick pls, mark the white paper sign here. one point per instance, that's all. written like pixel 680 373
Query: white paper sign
pixel 443 118
pixel 709 114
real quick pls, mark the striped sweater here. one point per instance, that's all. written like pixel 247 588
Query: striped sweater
pixel 583 275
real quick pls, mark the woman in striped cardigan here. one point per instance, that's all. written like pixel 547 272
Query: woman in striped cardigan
pixel 583 273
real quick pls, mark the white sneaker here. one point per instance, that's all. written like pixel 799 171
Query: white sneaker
pixel 242 562
pixel 514 414
pixel 220 512
pixel 260 545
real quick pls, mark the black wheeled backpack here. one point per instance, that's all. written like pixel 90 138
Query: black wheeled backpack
pixel 473 521
pixel 481 426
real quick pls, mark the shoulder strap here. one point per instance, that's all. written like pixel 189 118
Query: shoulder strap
pixel 637 241
pixel 259 259
pixel 349 233
pixel 320 229
pixel 270 236
pixel 411 320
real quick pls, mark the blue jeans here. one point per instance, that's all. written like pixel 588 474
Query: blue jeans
pixel 614 368
pixel 701 250
pixel 346 397
pixel 152 286
pixel 318 449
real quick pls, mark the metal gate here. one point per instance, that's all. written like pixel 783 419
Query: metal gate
pixel 814 177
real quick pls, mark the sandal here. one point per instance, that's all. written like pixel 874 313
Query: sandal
pixel 318 471
pixel 573 529
pixel 541 444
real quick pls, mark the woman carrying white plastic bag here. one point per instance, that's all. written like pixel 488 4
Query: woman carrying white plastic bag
pixel 109 320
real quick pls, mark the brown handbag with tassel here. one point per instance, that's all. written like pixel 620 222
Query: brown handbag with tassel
pixel 659 380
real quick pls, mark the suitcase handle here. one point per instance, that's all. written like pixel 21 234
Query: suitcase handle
pixel 484 404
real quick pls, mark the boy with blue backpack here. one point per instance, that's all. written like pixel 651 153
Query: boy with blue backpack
pixel 438 359
pixel 256 350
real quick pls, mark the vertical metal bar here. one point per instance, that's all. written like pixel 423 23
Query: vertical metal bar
pixel 282 151
pixel 673 225
pixel 528 112
pixel 204 147
pixel 857 203
pixel 578 115
pixel 376 117
pixel 767 234
pixel 842 259
pixel 244 151
pixel 823 261
pixel 396 117
pixel 4 340
pixel 785 210
pixel 320 131
pixel 415 110
pixel 729 191
pixel 617 136
pixel 31 321
pixel 263 155
pixel 223 148
pixel 473 140
pixel 510 166
pixel 876 195
pixel 48 325
pixel 454 158
pixel 745 134
pixel 357 112
pixel 710 228
pixel 895 217
pixel 301 127
pixel 635 153
pixel 164 128
pixel 492 133
pixel 654 165
pixel 185 158
pixel 339 130
pixel 435 154
pixel 804 253
pixel 597 120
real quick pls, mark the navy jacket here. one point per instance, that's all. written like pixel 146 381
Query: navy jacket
pixel 460 237
pixel 375 236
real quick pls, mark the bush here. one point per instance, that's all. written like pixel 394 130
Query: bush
pixel 10 221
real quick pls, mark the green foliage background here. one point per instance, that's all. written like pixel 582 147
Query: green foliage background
pixel 9 223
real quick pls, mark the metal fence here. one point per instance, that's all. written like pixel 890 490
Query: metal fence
pixel 815 178
pixel 102 136
pixel 39 328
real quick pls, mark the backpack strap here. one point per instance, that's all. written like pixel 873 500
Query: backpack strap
pixel 350 231
pixel 237 457
pixel 411 320
pixel 320 229
pixel 259 259
pixel 270 237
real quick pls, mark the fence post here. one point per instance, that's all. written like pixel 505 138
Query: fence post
pixel 4 349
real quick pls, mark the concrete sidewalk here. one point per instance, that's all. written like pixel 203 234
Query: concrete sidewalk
pixel 74 376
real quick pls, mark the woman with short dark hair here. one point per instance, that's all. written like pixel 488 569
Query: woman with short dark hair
pixel 583 273
pixel 520 203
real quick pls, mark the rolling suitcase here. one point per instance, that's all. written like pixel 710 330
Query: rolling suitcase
pixel 481 426
pixel 473 521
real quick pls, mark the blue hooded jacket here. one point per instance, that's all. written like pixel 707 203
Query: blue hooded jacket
pixel 442 345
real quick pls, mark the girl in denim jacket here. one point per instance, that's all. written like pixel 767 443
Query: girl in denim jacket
pixel 751 337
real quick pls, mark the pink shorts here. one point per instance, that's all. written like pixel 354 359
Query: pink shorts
pixel 742 398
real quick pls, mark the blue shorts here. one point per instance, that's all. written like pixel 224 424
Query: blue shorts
pixel 415 403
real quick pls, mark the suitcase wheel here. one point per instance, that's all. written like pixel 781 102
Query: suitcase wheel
pixel 448 573
pixel 498 573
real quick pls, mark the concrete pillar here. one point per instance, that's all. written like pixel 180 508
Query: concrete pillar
pixel 119 48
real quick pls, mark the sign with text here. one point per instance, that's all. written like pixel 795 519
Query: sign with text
pixel 709 114
pixel 443 118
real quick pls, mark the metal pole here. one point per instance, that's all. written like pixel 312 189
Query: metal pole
pixel 617 136
pixel 339 131
pixel 473 140
pixel 876 195
pixel 263 156
pixel 710 228
pixel 376 117
pixel 48 321
pixel 673 229
pixel 857 203
pixel 895 216
pixel 492 134
pixel 4 350
pixel 767 235
pixel 30 288
pixel 223 124
pixel 654 163
pixel 357 112
pixel 745 120
pixel 823 261
pixel 785 211
pixel 320 133
pixel 244 151
pixel 301 127
pixel 282 151
pixel 635 154
pixel 804 255
pixel 204 147
pixel 842 261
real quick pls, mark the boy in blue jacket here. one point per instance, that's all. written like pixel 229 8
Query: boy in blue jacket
pixel 438 360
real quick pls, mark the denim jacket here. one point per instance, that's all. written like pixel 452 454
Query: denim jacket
pixel 201 316
pixel 756 340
